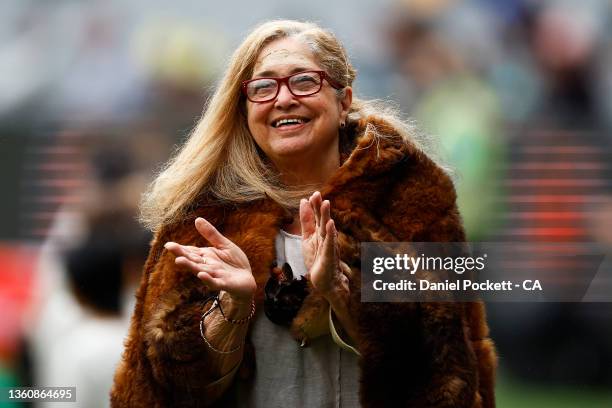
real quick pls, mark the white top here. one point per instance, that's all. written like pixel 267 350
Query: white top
pixel 289 249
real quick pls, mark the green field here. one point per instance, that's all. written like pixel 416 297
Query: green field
pixel 512 393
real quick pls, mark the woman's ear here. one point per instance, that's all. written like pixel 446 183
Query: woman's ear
pixel 345 103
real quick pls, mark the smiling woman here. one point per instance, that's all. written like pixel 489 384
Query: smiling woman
pixel 258 222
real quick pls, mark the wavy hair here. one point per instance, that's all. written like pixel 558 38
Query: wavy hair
pixel 220 159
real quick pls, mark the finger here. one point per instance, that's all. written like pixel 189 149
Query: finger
pixel 193 249
pixel 176 247
pixel 315 204
pixel 331 242
pixel 181 250
pixel 210 253
pixel 346 270
pixel 211 263
pixel 213 271
pixel 196 250
pixel 212 235
pixel 210 282
pixel 318 200
pixel 189 264
pixel 172 246
pixel 325 216
pixel 307 219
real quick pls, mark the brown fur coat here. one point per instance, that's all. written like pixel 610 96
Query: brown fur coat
pixel 413 354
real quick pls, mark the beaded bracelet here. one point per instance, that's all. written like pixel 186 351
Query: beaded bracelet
pixel 217 304
pixel 236 321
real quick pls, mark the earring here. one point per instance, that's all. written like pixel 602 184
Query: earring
pixel 342 125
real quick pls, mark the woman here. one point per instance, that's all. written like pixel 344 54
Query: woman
pixel 287 168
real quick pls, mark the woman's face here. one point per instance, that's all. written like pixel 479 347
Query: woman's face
pixel 319 115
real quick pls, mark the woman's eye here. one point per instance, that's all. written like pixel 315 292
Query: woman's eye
pixel 301 79
pixel 262 86
pixel 304 83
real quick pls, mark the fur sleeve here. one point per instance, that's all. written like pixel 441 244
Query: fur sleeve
pixel 165 361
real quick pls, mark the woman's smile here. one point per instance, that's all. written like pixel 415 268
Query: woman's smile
pixel 290 128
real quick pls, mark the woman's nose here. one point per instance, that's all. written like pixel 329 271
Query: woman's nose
pixel 285 98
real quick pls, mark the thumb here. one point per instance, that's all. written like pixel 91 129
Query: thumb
pixel 212 235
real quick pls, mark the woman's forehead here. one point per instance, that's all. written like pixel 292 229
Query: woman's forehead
pixel 282 57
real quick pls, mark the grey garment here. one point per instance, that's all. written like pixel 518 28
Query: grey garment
pixel 321 375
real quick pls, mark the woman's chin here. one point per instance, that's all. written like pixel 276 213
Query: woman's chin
pixel 291 147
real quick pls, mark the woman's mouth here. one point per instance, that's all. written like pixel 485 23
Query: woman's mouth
pixel 289 123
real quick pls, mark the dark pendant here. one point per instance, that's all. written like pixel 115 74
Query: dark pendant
pixel 284 295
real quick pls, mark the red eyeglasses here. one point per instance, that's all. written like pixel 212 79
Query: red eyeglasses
pixel 306 83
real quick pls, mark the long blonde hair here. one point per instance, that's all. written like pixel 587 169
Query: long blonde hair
pixel 220 157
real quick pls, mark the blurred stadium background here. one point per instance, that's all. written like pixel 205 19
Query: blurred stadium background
pixel 94 95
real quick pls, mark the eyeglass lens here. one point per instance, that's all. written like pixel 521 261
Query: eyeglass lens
pixel 301 84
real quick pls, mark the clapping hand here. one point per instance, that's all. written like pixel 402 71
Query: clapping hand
pixel 221 267
pixel 320 246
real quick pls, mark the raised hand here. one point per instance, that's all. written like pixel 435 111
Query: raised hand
pixel 320 246
pixel 221 267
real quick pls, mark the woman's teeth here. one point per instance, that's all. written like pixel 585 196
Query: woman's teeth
pixel 284 122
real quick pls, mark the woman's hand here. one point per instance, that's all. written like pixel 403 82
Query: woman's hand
pixel 221 267
pixel 320 247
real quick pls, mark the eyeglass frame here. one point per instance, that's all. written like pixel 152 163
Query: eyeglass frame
pixel 285 80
